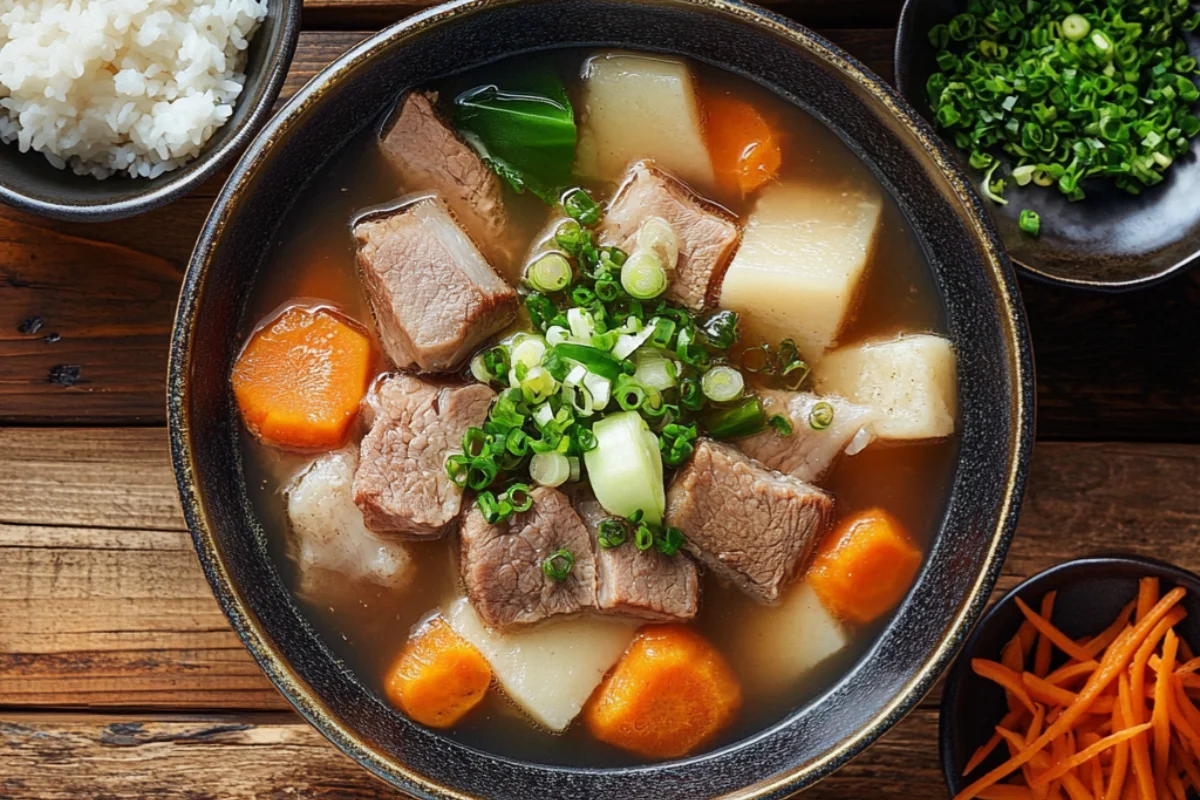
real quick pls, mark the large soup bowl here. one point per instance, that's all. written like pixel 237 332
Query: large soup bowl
pixel 972 275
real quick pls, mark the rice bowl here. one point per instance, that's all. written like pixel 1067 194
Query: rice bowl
pixel 121 86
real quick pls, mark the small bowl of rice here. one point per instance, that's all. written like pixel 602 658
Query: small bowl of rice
pixel 109 108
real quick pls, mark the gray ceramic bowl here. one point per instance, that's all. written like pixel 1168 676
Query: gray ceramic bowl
pixel 971 272
pixel 29 182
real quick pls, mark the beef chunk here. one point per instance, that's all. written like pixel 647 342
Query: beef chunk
pixel 502 564
pixel 808 453
pixel 754 526
pixel 707 235
pixel 401 483
pixel 430 156
pixel 640 583
pixel 434 296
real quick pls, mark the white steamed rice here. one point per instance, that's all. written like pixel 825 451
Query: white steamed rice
pixel 133 86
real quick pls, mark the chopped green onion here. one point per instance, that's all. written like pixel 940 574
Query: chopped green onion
pixel 550 273
pixel 1030 222
pixel 821 416
pixel 629 395
pixel 658 237
pixel 722 384
pixel 456 469
pixel 569 236
pixel 781 424
pixel 520 498
pixel 691 396
pixel 643 536
pixel 611 533
pixel 486 501
pixel 549 469
pixel 654 370
pixel 644 276
pixel 744 419
pixel 600 388
pixel 475 442
pixel 580 207
pixel 669 541
pixel 1075 27
pixel 558 565
pixel 596 361
pixel 722 329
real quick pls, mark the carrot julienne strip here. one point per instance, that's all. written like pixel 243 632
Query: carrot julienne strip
pixel 1160 719
pixel 1120 763
pixel 1057 637
pixel 1147 596
pixel 1097 643
pixel 1005 677
pixel 1188 667
pixel 1088 753
pixel 1116 658
pixel 1181 719
pixel 1041 657
pixel 980 755
pixel 1070 672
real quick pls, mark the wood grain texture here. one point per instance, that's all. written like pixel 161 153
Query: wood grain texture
pixel 248 757
pixel 106 605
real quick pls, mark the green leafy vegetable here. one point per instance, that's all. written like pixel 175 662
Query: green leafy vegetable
pixel 1068 90
pixel 523 127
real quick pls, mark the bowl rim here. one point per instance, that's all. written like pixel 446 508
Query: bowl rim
pixel 195 172
pixel 905 34
pixel 1094 567
pixel 1011 314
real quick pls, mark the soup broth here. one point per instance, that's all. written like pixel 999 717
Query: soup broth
pixel 366 625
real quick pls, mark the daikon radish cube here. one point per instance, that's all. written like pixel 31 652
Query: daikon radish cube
pixel 910 381
pixel 549 670
pixel 641 107
pixel 787 641
pixel 803 254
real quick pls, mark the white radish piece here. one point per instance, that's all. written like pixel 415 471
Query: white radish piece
pixel 803 255
pixel 328 531
pixel 641 106
pixel 910 381
pixel 551 669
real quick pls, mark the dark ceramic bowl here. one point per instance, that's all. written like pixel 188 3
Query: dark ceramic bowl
pixel 30 183
pixel 1091 592
pixel 974 279
pixel 1111 241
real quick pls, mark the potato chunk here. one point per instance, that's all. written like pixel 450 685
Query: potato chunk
pixel 803 254
pixel 551 669
pixel 641 107
pixel 910 381
pixel 788 641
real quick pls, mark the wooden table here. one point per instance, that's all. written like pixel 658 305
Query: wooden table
pixel 119 677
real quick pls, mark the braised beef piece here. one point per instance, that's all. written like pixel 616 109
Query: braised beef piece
pixel 401 483
pixel 434 297
pixel 641 583
pixel 707 234
pixel 502 564
pixel 809 452
pixel 430 156
pixel 751 525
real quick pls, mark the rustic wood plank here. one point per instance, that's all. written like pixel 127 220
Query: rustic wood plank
pixel 65 757
pixel 106 605
pixel 1109 367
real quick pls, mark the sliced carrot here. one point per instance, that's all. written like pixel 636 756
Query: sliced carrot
pixel 1184 716
pixel 1147 596
pixel 1028 636
pixel 1056 637
pixel 1160 718
pixel 1095 646
pixel 1116 659
pixel 983 751
pixel 744 147
pixel 1005 677
pixel 1087 754
pixel 671 693
pixel 1120 764
pixel 865 567
pixel 439 676
pixel 1042 691
pixel 300 379
pixel 1041 657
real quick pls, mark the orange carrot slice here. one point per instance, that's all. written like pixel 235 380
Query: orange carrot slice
pixel 1005 677
pixel 744 148
pixel 1057 637
pixel 1087 754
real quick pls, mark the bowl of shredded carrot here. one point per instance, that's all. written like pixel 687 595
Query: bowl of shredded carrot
pixel 1081 684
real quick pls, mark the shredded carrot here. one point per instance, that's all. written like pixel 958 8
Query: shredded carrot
pixel 1069 672
pixel 1147 596
pixel 1028 636
pixel 1006 791
pixel 1185 717
pixel 981 754
pixel 1120 762
pixel 1041 658
pixel 1057 637
pixel 1087 754
pixel 1160 719
pixel 1013 658
pixel 1116 659
pixel 1189 666
pixel 1097 643
pixel 1011 681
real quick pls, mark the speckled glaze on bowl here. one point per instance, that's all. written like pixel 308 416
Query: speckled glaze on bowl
pixel 983 311
pixel 30 183
pixel 1091 592
pixel 1111 241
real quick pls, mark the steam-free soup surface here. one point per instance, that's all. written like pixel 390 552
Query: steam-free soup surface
pixel 366 625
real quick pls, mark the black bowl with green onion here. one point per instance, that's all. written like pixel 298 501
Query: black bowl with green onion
pixel 1079 120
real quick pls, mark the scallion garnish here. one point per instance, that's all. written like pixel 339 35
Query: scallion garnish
pixel 611 533
pixel 669 541
pixel 1030 222
pixel 722 384
pixel 580 207
pixel 550 273
pixel 821 416
pixel 781 424
pixel 558 565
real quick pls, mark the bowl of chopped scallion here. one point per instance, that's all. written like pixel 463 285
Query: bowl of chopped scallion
pixel 1080 121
